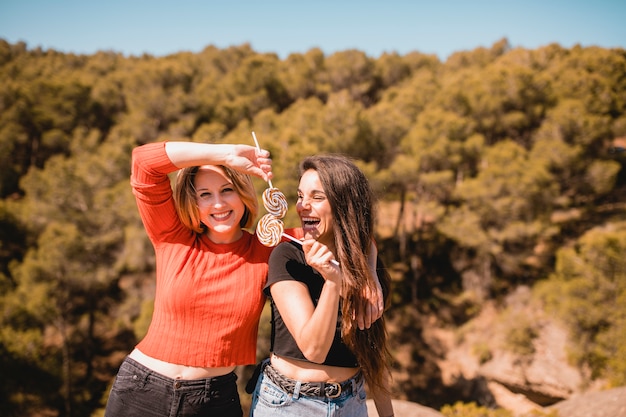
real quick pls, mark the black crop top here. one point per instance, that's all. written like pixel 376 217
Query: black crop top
pixel 287 262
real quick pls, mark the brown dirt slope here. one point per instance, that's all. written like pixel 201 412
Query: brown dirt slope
pixel 609 403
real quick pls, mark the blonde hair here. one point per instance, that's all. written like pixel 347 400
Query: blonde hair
pixel 187 204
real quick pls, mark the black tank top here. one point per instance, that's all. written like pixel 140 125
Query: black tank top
pixel 287 262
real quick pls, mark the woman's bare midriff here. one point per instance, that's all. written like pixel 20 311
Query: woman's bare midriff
pixel 311 372
pixel 175 371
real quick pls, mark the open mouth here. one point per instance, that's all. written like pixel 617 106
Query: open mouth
pixel 310 222
pixel 221 216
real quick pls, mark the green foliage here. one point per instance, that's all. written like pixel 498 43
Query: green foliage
pixel 142 322
pixel 519 338
pixel 588 292
pixel 460 409
pixel 483 352
pixel 601 176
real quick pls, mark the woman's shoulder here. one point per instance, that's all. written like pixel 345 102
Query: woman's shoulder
pixel 286 263
pixel 288 250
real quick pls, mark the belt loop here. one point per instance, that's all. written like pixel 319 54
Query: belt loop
pixel 353 382
pixel 145 378
pixel 207 389
pixel 296 390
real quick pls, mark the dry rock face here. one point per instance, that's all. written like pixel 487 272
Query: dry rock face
pixel 609 403
pixel 544 378
pixel 530 373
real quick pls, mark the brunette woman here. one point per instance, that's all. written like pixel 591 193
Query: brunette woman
pixel 320 359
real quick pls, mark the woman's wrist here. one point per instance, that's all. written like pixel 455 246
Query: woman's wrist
pixel 333 285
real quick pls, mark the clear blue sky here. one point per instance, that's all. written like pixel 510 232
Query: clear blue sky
pixel 440 27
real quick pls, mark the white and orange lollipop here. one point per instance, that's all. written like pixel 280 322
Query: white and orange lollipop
pixel 273 199
pixel 275 202
pixel 269 230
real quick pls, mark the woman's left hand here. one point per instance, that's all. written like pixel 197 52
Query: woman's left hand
pixel 252 161
pixel 374 304
pixel 372 308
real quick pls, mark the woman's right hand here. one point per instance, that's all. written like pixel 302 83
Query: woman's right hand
pixel 320 257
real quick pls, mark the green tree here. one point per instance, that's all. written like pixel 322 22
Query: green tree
pixel 297 73
pixel 511 199
pixel 587 290
pixel 349 70
pixel 67 283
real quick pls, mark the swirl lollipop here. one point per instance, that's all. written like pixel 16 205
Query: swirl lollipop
pixel 273 199
pixel 275 202
pixel 269 230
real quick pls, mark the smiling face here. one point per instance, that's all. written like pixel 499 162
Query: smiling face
pixel 219 204
pixel 314 209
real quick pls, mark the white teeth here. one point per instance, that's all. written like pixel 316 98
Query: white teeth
pixel 221 215
pixel 310 223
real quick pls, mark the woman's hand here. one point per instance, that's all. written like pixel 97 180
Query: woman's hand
pixel 374 304
pixel 252 161
pixel 372 307
pixel 321 258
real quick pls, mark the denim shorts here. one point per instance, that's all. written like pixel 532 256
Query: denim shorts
pixel 269 400
pixel 140 392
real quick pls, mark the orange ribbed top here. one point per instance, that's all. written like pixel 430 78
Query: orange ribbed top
pixel 209 296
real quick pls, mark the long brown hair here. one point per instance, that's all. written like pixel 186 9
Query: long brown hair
pixel 352 204
pixel 187 204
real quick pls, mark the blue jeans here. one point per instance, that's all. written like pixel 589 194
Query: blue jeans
pixel 269 400
pixel 140 392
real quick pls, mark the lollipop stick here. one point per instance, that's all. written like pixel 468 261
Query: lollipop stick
pixel 256 142
pixel 293 239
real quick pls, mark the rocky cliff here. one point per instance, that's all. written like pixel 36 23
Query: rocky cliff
pixel 511 355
